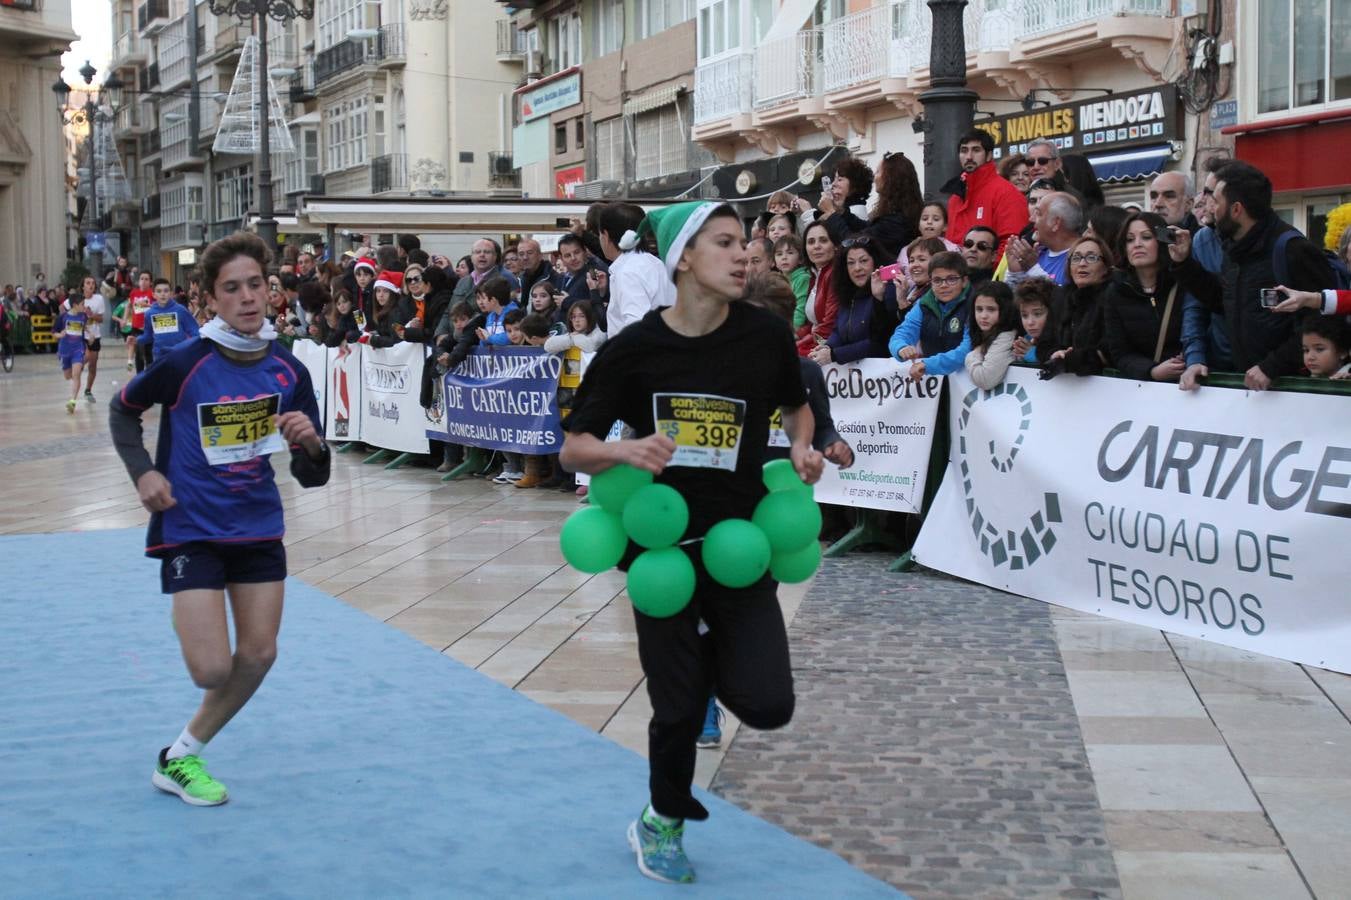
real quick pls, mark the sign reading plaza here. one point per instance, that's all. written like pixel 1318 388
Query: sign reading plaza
pixel 1221 515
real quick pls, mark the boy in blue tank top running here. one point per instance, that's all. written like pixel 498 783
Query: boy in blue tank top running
pixel 231 397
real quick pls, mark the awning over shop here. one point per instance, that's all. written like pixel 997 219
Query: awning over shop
pixel 1130 165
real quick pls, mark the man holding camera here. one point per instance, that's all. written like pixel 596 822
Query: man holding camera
pixel 1260 252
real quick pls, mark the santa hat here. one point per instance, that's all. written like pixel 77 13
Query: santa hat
pixel 390 281
pixel 673 227
pixel 365 262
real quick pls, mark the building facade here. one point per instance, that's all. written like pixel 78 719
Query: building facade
pixel 34 172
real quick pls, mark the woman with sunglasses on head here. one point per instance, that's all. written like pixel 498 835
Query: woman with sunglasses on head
pixel 862 325
pixel 1080 311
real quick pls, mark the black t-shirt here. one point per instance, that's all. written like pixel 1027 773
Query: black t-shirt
pixel 712 394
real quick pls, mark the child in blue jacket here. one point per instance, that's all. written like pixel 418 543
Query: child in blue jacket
pixel 168 323
pixel 936 332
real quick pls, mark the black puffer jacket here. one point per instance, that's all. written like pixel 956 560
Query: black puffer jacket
pixel 1260 337
pixel 1132 318
pixel 1080 320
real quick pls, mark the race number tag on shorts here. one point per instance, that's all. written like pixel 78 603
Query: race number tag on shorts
pixel 164 323
pixel 706 429
pixel 777 436
pixel 234 431
pixel 75 329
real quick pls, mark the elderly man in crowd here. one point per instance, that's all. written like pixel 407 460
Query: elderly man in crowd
pixel 1059 221
pixel 1170 195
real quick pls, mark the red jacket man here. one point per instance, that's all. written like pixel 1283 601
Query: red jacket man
pixel 980 196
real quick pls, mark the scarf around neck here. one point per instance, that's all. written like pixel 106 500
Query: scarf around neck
pixel 216 330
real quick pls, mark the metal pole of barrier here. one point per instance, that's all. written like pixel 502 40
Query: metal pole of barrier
pixel 398 461
pixel 939 451
pixel 377 456
pixel 869 530
pixel 474 461
pixel 348 447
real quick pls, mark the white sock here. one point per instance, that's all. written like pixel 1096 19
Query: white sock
pixel 186 745
pixel 653 817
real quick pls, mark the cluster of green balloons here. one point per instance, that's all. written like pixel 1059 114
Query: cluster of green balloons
pixel 780 538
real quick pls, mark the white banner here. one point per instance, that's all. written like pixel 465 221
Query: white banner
pixel 314 357
pixel 342 401
pixel 888 420
pixel 1221 514
pixel 391 380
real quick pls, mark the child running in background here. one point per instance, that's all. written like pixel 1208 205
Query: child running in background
pixel 1034 297
pixel 1327 346
pixel 791 260
pixel 142 296
pixel 994 327
pixel 168 323
pixel 72 329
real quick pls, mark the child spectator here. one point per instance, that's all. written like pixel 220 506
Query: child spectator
pixel 453 346
pixel 494 301
pixel 511 324
pixel 1035 297
pixel 994 327
pixel 791 262
pixel 584 333
pixel 935 336
pixel 912 281
pixel 780 226
pixel 1327 347
pixel 543 299
pixel 540 470
pixel 780 202
pixel 168 323
pixel 393 309
pixel 73 328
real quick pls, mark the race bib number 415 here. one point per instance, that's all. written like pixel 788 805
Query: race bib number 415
pixel 706 429
pixel 235 431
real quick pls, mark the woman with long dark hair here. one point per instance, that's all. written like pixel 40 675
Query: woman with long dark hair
pixel 862 326
pixel 821 306
pixel 1142 317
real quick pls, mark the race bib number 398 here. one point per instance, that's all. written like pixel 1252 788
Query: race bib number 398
pixel 706 429
pixel 235 431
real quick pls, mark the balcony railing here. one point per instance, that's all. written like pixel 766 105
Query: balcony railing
pixel 340 57
pixel 128 48
pixel 389 173
pixel 502 171
pixel 722 88
pixel 229 35
pixel 150 208
pixel 510 41
pixel 1047 15
pixel 788 69
pixel 151 12
pixel 302 83
pixel 390 46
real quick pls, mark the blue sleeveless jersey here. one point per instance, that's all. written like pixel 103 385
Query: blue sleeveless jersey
pixel 216 432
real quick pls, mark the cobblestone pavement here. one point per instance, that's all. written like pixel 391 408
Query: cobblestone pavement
pixel 935 743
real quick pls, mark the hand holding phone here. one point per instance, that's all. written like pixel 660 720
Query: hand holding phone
pixel 889 273
pixel 1269 298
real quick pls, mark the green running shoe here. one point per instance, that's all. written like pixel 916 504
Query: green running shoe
pixel 660 851
pixel 186 777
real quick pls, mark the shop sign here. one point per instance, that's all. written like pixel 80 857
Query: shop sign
pixel 1148 116
pixel 566 181
pixel 551 97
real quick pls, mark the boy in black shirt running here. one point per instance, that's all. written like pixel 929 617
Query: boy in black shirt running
pixel 709 352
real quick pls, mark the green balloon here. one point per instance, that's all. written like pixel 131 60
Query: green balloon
pixel 661 582
pixel 790 519
pixel 593 540
pixel 779 475
pixel 612 488
pixel 656 516
pixel 797 566
pixel 736 553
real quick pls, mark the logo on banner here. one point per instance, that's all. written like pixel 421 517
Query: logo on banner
pixel 387 379
pixel 342 404
pixel 1018 548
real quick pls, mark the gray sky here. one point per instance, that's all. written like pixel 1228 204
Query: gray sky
pixel 93 23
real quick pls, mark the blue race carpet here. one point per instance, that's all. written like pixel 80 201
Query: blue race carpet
pixel 368 765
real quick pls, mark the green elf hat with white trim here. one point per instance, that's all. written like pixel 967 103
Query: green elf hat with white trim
pixel 673 227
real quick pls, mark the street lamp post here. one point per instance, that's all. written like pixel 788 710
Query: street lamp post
pixel 949 105
pixel 284 11
pixel 89 114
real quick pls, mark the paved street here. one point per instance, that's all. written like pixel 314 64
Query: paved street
pixel 954 741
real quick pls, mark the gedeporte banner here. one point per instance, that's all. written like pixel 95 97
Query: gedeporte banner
pixel 1220 514
pixel 889 421
pixel 500 398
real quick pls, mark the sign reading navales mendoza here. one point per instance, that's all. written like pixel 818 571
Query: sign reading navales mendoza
pixel 1221 514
